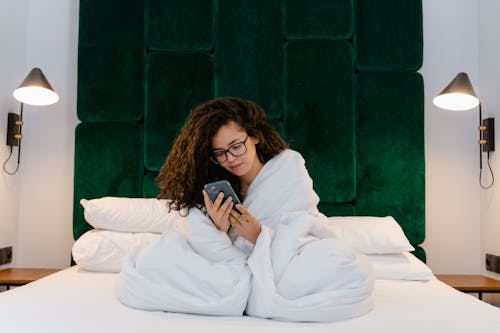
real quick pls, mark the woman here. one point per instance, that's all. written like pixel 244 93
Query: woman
pixel 225 138
pixel 271 263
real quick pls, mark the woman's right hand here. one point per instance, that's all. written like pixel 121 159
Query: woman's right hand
pixel 219 211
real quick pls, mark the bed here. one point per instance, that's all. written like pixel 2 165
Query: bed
pixel 407 296
pixel 75 300
pixel 336 80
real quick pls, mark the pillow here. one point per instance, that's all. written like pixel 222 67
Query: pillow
pixel 369 235
pixel 401 266
pixel 104 250
pixel 130 214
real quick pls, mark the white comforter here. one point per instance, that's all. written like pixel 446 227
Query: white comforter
pixel 292 273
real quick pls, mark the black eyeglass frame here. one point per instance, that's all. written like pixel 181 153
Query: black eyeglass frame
pixel 244 142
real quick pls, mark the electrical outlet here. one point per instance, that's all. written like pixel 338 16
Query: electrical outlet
pixel 6 255
pixel 492 263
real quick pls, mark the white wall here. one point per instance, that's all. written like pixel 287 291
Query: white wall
pixel 452 161
pixel 451 29
pixel 46 181
pixel 36 203
pixel 462 221
pixel 489 70
pixel 13 31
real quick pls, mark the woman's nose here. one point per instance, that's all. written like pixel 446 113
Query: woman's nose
pixel 230 157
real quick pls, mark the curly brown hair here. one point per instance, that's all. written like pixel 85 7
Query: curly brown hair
pixel 188 167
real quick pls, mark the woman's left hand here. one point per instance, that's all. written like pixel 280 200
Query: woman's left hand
pixel 245 224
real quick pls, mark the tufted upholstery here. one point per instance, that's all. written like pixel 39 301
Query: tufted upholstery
pixel 336 77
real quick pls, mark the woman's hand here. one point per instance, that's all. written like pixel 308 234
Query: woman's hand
pixel 245 224
pixel 219 211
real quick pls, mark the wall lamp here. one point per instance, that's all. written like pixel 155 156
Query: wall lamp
pixel 34 90
pixel 460 96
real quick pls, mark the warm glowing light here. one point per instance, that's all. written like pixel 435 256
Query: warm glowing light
pixel 35 95
pixel 456 101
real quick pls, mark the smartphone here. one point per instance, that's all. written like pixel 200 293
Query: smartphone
pixel 213 190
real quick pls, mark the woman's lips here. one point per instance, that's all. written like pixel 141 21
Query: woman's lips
pixel 235 167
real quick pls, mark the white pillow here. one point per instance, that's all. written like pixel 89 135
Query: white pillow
pixel 104 250
pixel 400 266
pixel 130 214
pixel 369 235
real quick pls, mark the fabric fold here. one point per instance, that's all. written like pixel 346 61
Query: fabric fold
pixel 290 274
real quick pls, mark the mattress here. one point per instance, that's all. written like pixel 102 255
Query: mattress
pixel 75 300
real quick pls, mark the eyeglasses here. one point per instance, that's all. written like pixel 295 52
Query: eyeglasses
pixel 236 150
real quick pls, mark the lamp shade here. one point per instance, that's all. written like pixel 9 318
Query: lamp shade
pixel 459 95
pixel 36 90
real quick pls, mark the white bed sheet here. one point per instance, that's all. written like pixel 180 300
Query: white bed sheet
pixel 74 300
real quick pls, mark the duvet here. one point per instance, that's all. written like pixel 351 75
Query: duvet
pixel 293 273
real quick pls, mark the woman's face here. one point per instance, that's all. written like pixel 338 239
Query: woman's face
pixel 231 139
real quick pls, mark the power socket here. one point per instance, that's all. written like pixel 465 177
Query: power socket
pixel 6 255
pixel 492 263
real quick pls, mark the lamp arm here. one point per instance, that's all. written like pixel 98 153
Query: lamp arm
pixel 21 132
pixel 18 146
pixel 480 137
pixel 484 139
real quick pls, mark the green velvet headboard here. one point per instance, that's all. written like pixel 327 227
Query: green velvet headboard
pixel 336 77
